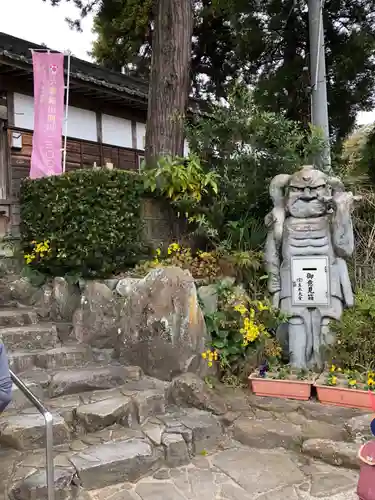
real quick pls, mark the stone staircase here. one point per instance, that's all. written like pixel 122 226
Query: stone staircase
pixel 112 424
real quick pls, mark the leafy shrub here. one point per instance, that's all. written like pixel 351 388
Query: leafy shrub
pixel 180 178
pixel 90 219
pixel 240 332
pixel 208 266
pixel 246 148
pixel 354 347
pixel 202 265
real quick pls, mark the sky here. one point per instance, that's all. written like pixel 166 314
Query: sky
pixel 38 22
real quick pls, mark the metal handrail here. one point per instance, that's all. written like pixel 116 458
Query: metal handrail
pixel 48 419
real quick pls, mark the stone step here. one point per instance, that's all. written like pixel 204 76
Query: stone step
pixel 87 378
pixel 28 431
pixel 17 317
pixel 267 431
pixel 19 401
pixel 37 336
pixel 57 357
pixel 117 455
pixel 86 413
pixel 338 453
pixel 91 378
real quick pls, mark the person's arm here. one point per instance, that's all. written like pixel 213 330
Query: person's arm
pixel 5 380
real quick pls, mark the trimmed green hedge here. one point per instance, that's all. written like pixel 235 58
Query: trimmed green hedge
pixel 91 219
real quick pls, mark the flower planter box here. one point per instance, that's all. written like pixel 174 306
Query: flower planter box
pixel 342 396
pixel 286 389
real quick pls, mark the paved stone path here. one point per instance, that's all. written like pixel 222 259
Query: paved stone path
pixel 241 473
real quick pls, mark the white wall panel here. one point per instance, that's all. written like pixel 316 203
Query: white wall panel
pixel 81 124
pixel 117 131
pixel 141 135
pixel 23 111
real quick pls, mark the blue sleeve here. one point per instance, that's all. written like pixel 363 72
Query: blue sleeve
pixel 5 380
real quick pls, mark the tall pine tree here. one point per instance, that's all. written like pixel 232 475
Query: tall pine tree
pixel 263 42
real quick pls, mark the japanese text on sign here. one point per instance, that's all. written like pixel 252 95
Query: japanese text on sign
pixel 310 281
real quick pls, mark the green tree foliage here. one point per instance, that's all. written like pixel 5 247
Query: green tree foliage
pixel 246 147
pixel 368 155
pixel 262 42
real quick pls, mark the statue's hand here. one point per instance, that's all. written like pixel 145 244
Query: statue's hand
pixel 276 300
pixel 344 201
pixel 269 220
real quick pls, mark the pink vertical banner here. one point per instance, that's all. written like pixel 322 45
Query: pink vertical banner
pixel 48 114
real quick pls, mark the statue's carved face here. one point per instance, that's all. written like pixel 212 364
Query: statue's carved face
pixel 305 194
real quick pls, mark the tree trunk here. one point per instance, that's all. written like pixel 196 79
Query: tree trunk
pixel 169 79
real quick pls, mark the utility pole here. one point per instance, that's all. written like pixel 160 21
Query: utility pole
pixel 319 104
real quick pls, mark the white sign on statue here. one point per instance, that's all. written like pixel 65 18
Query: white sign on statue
pixel 310 281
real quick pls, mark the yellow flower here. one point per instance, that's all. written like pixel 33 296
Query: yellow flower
pixel 204 255
pixel 204 355
pixel 241 309
pixel 352 382
pixel 370 381
pixel 209 364
pixel 262 307
pixel 332 369
pixel 333 380
pixel 250 331
pixel 158 252
pixel 29 258
pixel 173 247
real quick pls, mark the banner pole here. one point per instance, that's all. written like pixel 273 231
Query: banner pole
pixel 66 112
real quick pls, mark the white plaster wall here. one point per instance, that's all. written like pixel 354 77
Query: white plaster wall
pixel 116 131
pixel 141 135
pixel 81 124
pixel 23 111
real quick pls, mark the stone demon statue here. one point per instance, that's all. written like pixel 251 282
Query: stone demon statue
pixel 310 233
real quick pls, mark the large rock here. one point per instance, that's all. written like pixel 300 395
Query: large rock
pixel 66 298
pixel 42 301
pixel 162 326
pixel 125 286
pixel 22 290
pixel 208 296
pixel 190 390
pixel 95 322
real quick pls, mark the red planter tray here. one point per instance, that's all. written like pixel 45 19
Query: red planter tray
pixel 341 396
pixel 286 389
